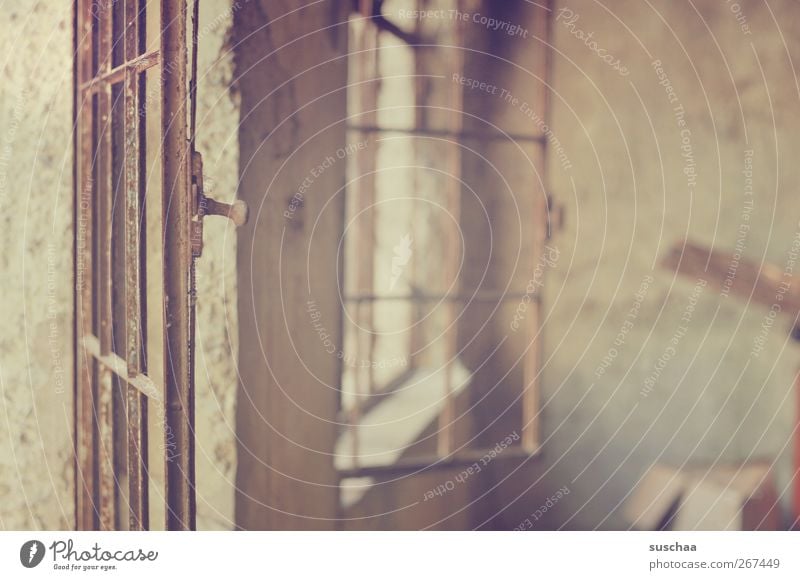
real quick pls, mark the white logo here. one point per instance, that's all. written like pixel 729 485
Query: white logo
pixel 31 553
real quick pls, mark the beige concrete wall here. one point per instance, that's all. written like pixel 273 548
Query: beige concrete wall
pixel 36 266
pixel 628 199
pixel 217 318
pixel 36 269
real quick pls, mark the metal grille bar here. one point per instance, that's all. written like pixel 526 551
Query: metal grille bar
pixel 117 74
pixel 105 410
pixel 85 196
pixel 136 403
pixel 179 394
pixel 99 499
pixel 119 366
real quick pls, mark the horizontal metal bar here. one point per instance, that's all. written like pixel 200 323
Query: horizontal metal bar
pixel 117 74
pixel 474 297
pixel 458 135
pixel 410 465
pixel 119 367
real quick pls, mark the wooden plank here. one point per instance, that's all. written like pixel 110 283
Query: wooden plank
pixel 732 274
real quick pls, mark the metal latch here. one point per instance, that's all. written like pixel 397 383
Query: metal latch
pixel 555 217
pixel 202 206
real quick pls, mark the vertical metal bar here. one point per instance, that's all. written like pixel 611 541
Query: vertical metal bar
pixel 85 484
pixel 78 488
pixel 179 391
pixel 132 197
pixel 538 233
pixel 445 439
pixel 365 201
pixel 105 203
pixel 415 335
pixel 137 460
pixel 369 103
pixel 136 401
pixel 355 412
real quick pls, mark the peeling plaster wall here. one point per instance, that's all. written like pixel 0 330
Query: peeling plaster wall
pixel 36 266
pixel 217 321
pixel 36 269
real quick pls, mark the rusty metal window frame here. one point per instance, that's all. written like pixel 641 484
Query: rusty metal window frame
pixel 110 59
pixel 365 46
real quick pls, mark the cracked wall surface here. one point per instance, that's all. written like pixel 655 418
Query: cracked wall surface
pixel 36 266
pixel 217 322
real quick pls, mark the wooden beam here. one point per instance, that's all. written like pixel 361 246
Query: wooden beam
pixel 293 108
pixel 764 284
